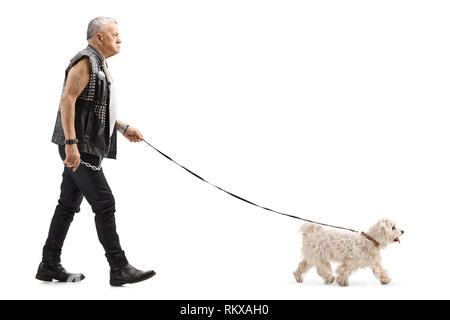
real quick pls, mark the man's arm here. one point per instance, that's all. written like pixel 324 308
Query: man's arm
pixel 77 80
pixel 118 124
pixel 132 134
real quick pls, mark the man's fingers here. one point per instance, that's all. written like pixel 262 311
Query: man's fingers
pixel 69 162
pixel 135 138
pixel 76 165
pixel 72 163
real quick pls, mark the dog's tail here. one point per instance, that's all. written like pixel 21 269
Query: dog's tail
pixel 307 228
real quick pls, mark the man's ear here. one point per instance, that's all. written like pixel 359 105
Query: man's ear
pixel 99 37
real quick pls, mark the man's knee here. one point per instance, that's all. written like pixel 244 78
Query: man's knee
pixel 67 208
pixel 105 214
pixel 105 206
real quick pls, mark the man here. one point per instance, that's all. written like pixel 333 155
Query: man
pixel 86 132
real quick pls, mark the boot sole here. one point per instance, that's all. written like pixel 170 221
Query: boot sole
pixel 48 278
pixel 118 283
pixel 44 278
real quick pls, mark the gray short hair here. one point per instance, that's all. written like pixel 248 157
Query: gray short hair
pixel 97 25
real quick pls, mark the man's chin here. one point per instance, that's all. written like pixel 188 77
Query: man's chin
pixel 116 51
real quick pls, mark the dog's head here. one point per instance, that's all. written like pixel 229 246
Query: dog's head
pixel 385 232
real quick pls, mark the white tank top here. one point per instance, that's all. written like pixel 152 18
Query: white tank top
pixel 112 108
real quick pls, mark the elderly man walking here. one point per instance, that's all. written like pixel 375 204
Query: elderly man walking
pixel 86 133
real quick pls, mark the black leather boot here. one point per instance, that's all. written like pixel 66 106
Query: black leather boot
pixel 48 272
pixel 128 274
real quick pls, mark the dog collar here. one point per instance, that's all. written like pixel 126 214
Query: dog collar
pixel 375 242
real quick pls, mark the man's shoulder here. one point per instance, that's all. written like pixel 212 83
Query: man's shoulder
pixel 84 55
pixel 83 59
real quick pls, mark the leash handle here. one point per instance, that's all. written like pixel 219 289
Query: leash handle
pixel 245 200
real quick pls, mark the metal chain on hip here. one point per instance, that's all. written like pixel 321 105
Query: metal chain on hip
pixel 122 128
pixel 87 164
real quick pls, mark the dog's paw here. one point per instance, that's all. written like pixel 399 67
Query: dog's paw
pixel 343 282
pixel 329 280
pixel 385 280
pixel 298 277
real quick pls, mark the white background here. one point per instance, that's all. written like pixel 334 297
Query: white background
pixel 336 111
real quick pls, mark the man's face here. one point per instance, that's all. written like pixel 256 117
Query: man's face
pixel 111 40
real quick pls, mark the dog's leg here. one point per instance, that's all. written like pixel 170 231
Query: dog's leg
pixel 325 272
pixel 380 273
pixel 302 268
pixel 343 271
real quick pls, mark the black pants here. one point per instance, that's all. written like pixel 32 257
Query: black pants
pixel 92 184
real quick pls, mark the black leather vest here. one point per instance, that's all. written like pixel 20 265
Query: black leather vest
pixel 91 109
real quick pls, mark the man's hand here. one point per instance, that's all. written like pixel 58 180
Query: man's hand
pixel 133 135
pixel 72 156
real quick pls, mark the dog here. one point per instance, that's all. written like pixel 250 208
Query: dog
pixel 351 250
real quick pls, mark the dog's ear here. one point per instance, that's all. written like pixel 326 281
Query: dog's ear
pixel 385 224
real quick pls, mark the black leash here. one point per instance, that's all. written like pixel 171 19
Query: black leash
pixel 240 198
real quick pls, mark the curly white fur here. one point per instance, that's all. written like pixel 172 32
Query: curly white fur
pixel 352 251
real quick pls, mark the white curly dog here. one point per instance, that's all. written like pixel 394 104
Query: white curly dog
pixel 351 250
